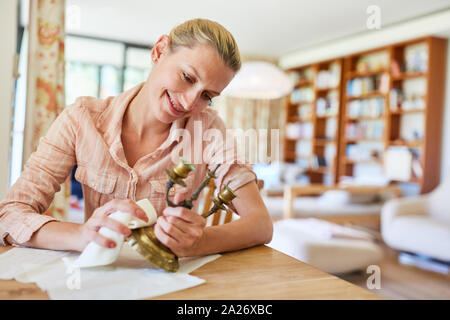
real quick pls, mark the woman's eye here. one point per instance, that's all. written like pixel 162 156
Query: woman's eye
pixel 208 97
pixel 187 78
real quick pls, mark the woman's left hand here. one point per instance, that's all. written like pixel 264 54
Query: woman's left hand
pixel 180 229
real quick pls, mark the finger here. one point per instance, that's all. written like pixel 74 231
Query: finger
pixel 116 226
pixel 184 214
pixel 178 198
pixel 171 229
pixel 96 223
pixel 187 229
pixel 125 205
pixel 165 239
pixel 103 241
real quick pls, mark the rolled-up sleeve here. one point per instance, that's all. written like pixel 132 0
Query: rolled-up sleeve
pixel 21 212
pixel 234 175
pixel 20 223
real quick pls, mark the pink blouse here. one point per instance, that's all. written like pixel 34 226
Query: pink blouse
pixel 88 133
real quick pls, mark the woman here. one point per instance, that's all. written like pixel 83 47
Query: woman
pixel 123 144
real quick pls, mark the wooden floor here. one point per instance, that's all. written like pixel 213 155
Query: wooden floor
pixel 402 282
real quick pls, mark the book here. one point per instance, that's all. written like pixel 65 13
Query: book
pixel 384 83
pixel 320 161
pixel 395 68
pixel 398 163
pixel 417 168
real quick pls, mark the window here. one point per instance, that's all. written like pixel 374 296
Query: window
pixel 110 81
pixel 82 79
pixel 136 67
pixel 19 111
pixel 102 68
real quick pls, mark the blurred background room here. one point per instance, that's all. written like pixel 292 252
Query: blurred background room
pixel 352 96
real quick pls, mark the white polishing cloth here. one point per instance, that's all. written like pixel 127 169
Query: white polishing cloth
pixel 95 255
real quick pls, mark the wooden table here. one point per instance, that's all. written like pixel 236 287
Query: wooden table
pixel 256 273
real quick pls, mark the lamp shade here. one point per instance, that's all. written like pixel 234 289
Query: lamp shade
pixel 259 80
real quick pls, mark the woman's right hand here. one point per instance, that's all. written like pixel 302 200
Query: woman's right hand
pixel 99 219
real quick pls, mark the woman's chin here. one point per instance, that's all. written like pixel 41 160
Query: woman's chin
pixel 169 116
pixel 166 117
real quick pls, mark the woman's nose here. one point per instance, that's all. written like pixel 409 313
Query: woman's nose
pixel 191 99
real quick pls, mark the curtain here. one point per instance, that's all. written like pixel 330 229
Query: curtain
pixel 45 83
pixel 268 114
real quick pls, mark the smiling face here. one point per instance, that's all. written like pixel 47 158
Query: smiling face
pixel 183 81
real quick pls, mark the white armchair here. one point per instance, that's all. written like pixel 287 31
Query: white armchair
pixel 419 224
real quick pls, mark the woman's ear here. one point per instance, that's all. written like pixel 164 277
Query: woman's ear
pixel 161 47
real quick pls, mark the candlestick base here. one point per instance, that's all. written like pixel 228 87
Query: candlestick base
pixel 144 241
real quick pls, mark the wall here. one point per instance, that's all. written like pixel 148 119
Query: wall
pixel 433 24
pixel 8 34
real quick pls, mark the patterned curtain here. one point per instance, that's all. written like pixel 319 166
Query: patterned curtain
pixel 240 113
pixel 45 83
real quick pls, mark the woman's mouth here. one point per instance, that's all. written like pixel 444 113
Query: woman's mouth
pixel 173 106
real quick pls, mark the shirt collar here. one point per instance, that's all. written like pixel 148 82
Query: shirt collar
pixel 110 121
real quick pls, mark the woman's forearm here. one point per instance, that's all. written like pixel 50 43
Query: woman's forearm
pixel 246 232
pixel 243 233
pixel 56 235
pixel 255 226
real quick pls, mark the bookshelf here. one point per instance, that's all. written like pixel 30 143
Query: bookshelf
pixel 393 104
pixel 312 117
pixel 386 100
pixel 299 118
pixel 417 97
pixel 363 112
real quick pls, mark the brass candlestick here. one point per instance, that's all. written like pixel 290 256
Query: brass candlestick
pixel 144 240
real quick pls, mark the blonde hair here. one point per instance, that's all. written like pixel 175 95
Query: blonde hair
pixel 195 31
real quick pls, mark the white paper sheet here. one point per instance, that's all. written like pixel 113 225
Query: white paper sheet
pixel 20 260
pixel 129 277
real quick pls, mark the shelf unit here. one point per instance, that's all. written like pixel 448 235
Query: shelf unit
pixel 428 144
pixel 374 86
pixel 364 108
pixel 324 82
pixel 299 111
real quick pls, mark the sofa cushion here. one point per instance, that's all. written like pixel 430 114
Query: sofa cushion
pixel 296 238
pixel 419 234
